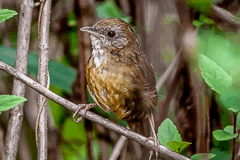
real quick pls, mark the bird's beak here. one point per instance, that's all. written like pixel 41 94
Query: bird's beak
pixel 92 31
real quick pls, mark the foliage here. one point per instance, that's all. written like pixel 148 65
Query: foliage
pixel 202 21
pixel 225 134
pixel 201 156
pixel 6 14
pixel 61 76
pixel 218 79
pixel 110 9
pixel 220 155
pixel 169 136
pixel 9 101
pixel 202 6
pixel 219 63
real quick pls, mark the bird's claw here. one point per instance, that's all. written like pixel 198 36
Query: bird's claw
pixel 156 144
pixel 85 107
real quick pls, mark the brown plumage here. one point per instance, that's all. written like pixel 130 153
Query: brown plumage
pixel 119 77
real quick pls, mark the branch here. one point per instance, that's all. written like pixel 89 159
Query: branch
pixel 89 115
pixel 168 71
pixel 118 148
pixel 43 78
pixel 16 114
pixel 225 16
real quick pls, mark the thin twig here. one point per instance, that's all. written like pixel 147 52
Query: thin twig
pixel 234 139
pixel 90 115
pixel 84 47
pixel 208 117
pixel 168 71
pixel 16 114
pixel 118 148
pixel 40 16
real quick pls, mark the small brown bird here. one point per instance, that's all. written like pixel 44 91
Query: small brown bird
pixel 119 77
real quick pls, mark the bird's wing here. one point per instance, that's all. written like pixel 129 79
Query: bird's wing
pixel 149 91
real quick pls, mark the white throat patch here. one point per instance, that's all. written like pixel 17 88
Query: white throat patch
pixel 97 52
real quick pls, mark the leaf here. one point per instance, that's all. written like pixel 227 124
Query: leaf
pixel 61 76
pixel 9 101
pixel 231 100
pixel 221 135
pixel 220 155
pixel 208 21
pixel 57 111
pixel 168 132
pixel 197 23
pixel 74 131
pixel 6 14
pixel 110 9
pixel 178 146
pixel 201 156
pixel 235 110
pixel 72 151
pixel 202 6
pixel 218 79
pixel 228 129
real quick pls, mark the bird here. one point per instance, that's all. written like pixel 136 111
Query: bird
pixel 119 77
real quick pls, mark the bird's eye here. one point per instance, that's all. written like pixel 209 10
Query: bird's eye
pixel 111 34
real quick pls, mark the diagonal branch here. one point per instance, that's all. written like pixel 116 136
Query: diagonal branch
pixel 89 115
pixel 225 16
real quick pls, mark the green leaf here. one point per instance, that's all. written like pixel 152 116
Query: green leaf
pixel 74 131
pixel 220 155
pixel 202 6
pixel 201 156
pixel 197 23
pixel 58 112
pixel 231 101
pixel 222 48
pixel 168 132
pixel 228 129
pixel 6 14
pixel 201 17
pixel 221 135
pixel 235 110
pixel 61 76
pixel 178 146
pixel 110 9
pixel 218 79
pixel 9 101
pixel 71 151
pixel 208 21
pixel 71 19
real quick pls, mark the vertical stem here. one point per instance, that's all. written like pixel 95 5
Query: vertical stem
pixel 43 79
pixel 234 131
pixel 208 117
pixel 84 43
pixel 16 114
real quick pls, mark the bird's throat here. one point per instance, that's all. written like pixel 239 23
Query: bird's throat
pixel 98 53
pixel 99 57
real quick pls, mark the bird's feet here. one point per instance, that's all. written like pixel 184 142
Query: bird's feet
pixel 153 137
pixel 156 144
pixel 85 107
